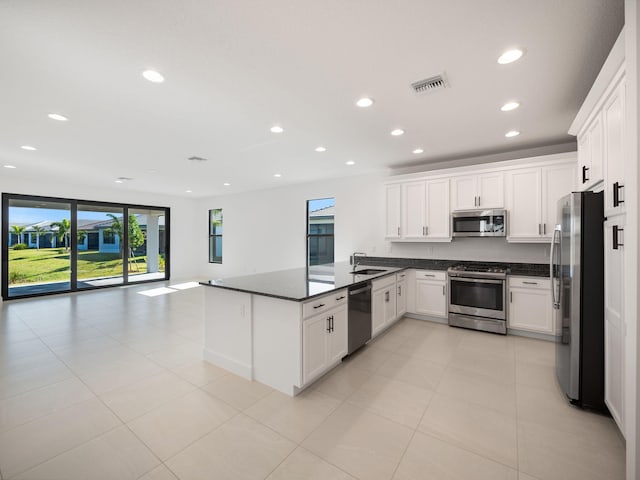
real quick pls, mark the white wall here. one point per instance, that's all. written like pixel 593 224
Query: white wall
pixel 265 230
pixel 184 259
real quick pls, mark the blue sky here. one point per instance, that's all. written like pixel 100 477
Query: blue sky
pixel 34 215
pixel 319 203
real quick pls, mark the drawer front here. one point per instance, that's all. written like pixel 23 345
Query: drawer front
pixel 431 275
pixel 383 282
pixel 322 304
pixel 541 283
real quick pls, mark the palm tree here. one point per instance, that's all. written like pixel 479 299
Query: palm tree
pixel 18 230
pixel 39 231
pixel 64 230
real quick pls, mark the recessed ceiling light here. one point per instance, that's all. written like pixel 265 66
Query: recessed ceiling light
pixel 226 184
pixel 350 162
pixel 28 147
pixel 364 102
pixel 188 191
pixel 512 133
pixel 277 175
pixel 507 107
pixel 321 149
pixel 9 166
pixel 58 117
pixel 153 76
pixel 397 132
pixel 510 56
pixel 418 150
pixel 276 129
pixel 119 181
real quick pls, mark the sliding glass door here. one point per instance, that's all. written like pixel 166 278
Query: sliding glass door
pixel 39 246
pixel 100 251
pixel 55 245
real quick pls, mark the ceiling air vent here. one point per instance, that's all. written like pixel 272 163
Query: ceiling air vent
pixel 431 84
pixel 197 159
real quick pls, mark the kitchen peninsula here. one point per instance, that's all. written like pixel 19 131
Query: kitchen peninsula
pixel 284 329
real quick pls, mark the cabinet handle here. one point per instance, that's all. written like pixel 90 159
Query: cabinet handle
pixel 530 283
pixel 442 289
pixel 539 229
pixel 426 231
pixel 399 290
pixel 510 297
pixel 479 200
pixel 475 201
pixel 585 179
pixel 544 228
pixel 332 323
pixel 319 306
pixel 402 276
pixel 616 237
pixel 616 194
pixel 398 231
pixel 329 324
pixel 429 275
pixel 339 298
pixel 386 296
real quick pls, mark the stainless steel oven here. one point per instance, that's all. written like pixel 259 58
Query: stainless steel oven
pixel 477 297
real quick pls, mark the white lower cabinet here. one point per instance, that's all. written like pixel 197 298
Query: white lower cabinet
pixel 324 342
pixel 401 294
pixel 383 308
pixel 530 306
pixel 431 293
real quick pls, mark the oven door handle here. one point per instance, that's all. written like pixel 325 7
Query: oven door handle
pixel 475 280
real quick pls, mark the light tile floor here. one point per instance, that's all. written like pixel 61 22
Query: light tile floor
pixel 110 385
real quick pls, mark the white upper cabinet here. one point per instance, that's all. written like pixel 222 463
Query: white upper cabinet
pixel 532 198
pixel 557 181
pixel 477 191
pixel 393 205
pixel 524 204
pixel 590 155
pixel 425 207
pixel 613 119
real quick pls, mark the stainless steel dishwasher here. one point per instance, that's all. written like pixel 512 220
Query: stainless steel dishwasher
pixel 359 315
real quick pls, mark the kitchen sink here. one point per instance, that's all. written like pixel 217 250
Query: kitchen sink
pixel 368 271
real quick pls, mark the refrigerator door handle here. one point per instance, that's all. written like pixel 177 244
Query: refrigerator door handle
pixel 555 301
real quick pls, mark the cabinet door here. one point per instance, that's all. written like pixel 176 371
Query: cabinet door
pixel 531 310
pixel 523 204
pixel 584 160
pixel 337 340
pixel 390 305
pixel 401 298
pixel 414 195
pixel 393 206
pixel 431 298
pixel 613 118
pixel 490 190
pixel 595 173
pixel 614 323
pixel 463 193
pixel 314 360
pixel 557 181
pixel 437 210
pixel 377 311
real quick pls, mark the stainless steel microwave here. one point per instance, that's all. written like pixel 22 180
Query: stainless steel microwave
pixel 479 223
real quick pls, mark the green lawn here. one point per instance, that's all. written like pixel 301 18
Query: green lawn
pixel 53 265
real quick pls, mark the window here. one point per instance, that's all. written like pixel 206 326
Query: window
pixel 215 235
pixel 109 237
pixel 320 231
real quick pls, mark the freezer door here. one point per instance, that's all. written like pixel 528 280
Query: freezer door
pixel 568 345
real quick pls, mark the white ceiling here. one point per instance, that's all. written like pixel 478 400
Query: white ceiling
pixel 235 68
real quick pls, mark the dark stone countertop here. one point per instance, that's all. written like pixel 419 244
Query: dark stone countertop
pixel 300 284
pixel 522 269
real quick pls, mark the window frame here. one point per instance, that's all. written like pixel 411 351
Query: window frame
pixel 309 235
pixel 213 236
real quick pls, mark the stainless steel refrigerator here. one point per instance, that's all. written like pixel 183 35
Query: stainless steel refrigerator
pixel 577 277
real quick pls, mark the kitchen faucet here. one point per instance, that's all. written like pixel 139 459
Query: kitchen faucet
pixel 354 259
